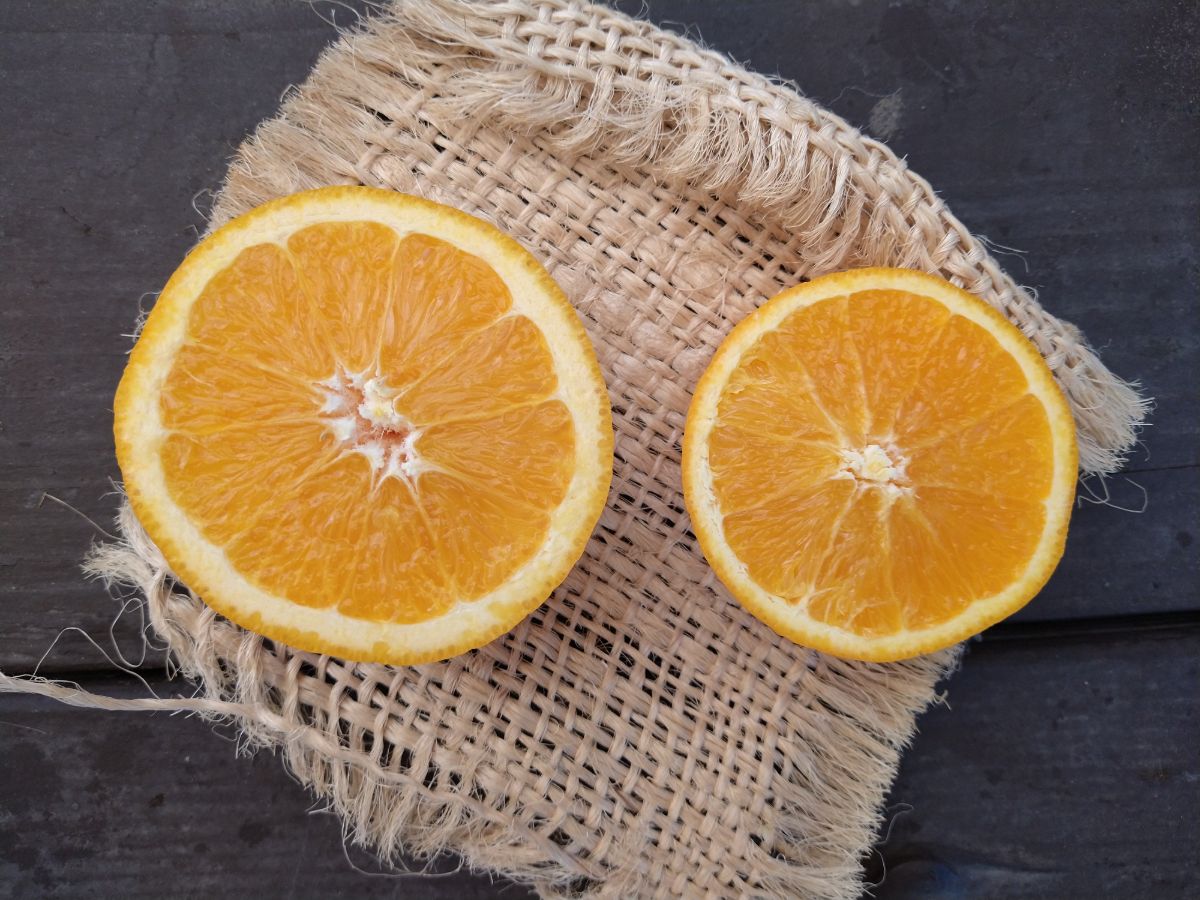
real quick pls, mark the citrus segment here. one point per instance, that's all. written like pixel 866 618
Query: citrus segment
pixel 199 398
pixel 483 535
pixel 490 370
pixel 211 472
pixel 300 538
pixel 440 310
pixel 521 451
pixel 884 322
pixel 365 424
pixel 398 548
pixel 965 375
pixel 852 589
pixel 249 310
pixel 820 354
pixel 786 550
pixel 345 272
pixel 878 465
pixel 1006 453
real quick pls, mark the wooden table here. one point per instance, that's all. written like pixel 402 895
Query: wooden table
pixel 1068 765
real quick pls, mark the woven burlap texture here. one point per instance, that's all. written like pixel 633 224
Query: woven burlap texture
pixel 640 734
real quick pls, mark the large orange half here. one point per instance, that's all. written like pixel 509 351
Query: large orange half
pixel 367 425
pixel 878 465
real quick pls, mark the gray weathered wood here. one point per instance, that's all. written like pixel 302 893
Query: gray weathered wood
pixel 1060 768
pixel 106 154
pixel 1135 553
pixel 1070 136
pixel 117 116
pixel 149 805
pixel 1067 767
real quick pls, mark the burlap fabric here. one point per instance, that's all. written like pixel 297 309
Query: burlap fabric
pixel 640 734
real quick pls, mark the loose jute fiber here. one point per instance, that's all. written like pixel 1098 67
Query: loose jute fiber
pixel 640 734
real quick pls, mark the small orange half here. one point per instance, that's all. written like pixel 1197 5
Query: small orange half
pixel 878 464
pixel 366 425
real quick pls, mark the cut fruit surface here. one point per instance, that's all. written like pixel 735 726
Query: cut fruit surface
pixel 365 424
pixel 878 465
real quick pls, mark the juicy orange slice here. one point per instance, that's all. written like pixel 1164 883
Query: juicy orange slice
pixel 366 425
pixel 878 465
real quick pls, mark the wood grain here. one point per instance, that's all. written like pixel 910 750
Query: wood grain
pixel 1059 768
pixel 104 157
pixel 1067 766
pixel 1070 137
pixel 148 805
pixel 112 149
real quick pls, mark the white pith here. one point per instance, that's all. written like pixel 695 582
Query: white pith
pixel 360 413
pixel 882 467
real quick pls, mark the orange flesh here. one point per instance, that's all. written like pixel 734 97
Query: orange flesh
pixel 430 486
pixel 882 461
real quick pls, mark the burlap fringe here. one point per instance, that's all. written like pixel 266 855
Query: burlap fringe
pixel 639 735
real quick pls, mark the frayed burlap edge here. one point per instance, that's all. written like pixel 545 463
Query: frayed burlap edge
pixel 638 97
pixel 639 735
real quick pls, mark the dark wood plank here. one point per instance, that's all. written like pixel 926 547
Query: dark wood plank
pixel 1095 179
pixel 117 115
pixel 1075 143
pixel 1081 147
pixel 147 805
pixel 1059 768
pixel 1065 768
pixel 1134 553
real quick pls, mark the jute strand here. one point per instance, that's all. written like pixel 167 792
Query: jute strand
pixel 639 735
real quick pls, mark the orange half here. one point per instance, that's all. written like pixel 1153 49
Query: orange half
pixel 366 425
pixel 878 465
